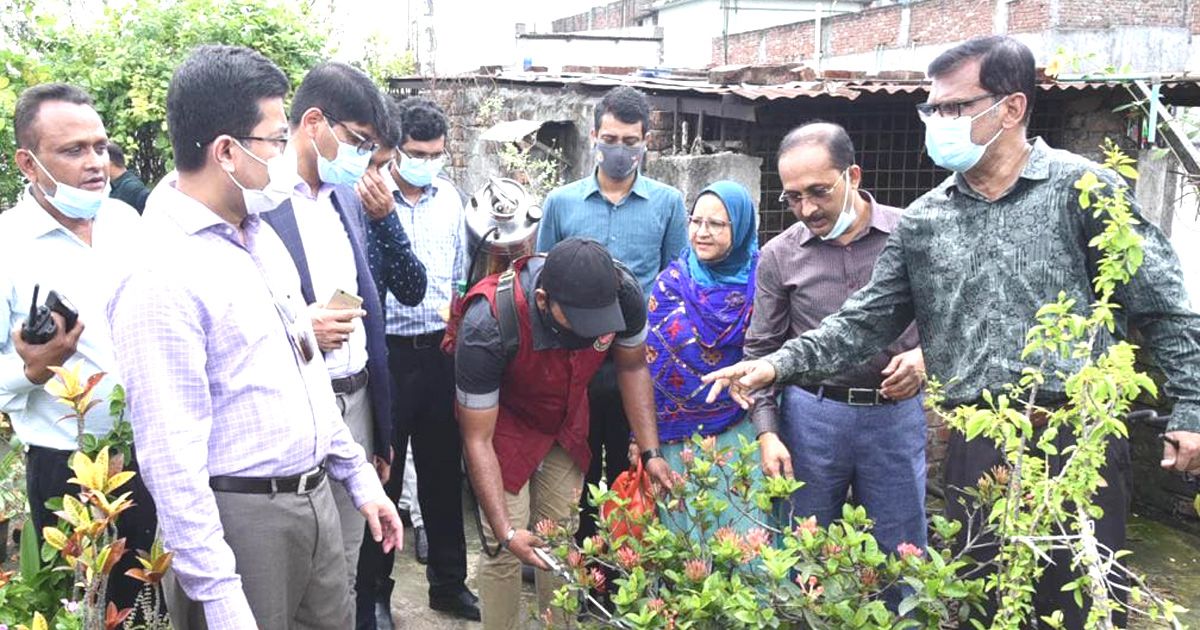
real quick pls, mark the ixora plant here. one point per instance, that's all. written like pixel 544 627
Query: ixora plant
pixel 710 575
pixel 792 573
pixel 86 539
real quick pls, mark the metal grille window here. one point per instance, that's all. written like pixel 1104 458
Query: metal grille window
pixel 889 142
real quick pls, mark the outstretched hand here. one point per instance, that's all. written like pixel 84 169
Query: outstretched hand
pixel 741 380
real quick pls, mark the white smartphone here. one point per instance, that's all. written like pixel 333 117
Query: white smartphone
pixel 341 299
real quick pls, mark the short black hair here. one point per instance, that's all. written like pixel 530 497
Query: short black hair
pixel 831 136
pixel 343 92
pixel 626 105
pixel 419 119
pixel 1006 66
pixel 30 103
pixel 116 154
pixel 215 91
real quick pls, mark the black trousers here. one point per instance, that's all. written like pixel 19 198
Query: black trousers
pixel 967 461
pixel 608 437
pixel 423 412
pixel 46 478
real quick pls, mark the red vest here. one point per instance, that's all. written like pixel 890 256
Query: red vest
pixel 543 395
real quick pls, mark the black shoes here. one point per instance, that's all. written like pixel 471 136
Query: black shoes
pixel 421 545
pixel 463 604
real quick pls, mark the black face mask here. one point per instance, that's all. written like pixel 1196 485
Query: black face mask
pixel 566 338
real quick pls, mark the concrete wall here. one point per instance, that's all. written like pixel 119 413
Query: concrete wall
pixel 692 173
pixel 554 52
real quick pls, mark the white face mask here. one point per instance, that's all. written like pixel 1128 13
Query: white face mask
pixel 275 192
pixel 73 202
pixel 846 216
pixel 948 141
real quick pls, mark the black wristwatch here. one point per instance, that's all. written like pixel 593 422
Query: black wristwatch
pixel 650 454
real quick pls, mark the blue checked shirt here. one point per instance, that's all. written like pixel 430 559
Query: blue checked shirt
pixel 435 225
pixel 646 230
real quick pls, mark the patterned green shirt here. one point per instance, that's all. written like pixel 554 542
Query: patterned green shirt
pixel 973 273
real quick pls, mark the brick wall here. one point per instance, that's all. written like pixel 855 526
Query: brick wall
pixel 790 42
pixel 1028 16
pixel 617 14
pixel 1088 14
pixel 945 21
pixel 863 32
pixel 938 21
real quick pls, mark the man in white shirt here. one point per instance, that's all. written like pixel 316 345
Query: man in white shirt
pixel 336 118
pixel 65 235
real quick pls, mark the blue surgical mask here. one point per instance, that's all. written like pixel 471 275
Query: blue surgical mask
pixel 418 172
pixel 73 202
pixel 948 141
pixel 346 168
pixel 846 216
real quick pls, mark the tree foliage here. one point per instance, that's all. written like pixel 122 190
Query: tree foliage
pixel 125 59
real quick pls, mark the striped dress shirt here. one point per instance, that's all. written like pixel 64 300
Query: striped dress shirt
pixel 204 335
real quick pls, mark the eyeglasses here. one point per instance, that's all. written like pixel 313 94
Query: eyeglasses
pixel 364 145
pixel 713 227
pixel 280 142
pixel 952 109
pixel 816 194
pixel 417 155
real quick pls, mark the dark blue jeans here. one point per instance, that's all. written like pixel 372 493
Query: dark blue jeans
pixel 878 451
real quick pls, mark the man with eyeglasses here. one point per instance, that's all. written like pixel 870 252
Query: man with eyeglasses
pixel 863 427
pixel 233 412
pixel 66 235
pixel 337 117
pixel 412 188
pixel 974 259
pixel 643 224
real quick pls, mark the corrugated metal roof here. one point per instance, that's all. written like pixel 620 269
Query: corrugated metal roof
pixel 849 89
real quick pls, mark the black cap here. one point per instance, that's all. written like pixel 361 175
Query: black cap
pixel 579 276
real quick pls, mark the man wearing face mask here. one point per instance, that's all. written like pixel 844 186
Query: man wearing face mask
pixel 430 209
pixel 234 415
pixel 65 234
pixel 974 259
pixel 524 411
pixel 643 224
pixel 863 427
pixel 336 119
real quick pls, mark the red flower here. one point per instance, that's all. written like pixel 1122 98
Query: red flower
pixel 597 579
pixel 687 456
pixel 807 526
pixel 908 549
pixel 574 559
pixel 695 570
pixel 628 558
pixel 545 528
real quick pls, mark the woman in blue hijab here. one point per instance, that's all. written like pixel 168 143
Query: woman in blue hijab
pixel 698 315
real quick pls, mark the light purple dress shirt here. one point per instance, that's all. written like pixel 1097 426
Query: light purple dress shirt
pixel 216 385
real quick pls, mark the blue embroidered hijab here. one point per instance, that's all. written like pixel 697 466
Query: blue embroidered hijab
pixel 697 316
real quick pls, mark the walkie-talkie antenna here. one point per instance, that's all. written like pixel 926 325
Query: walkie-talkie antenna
pixel 33 305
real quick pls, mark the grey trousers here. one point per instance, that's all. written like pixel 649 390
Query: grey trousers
pixel 356 413
pixel 290 556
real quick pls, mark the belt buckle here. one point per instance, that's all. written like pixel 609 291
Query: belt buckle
pixel 853 399
pixel 302 484
pixel 419 342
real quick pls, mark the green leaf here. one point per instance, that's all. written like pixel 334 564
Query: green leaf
pixel 30 560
